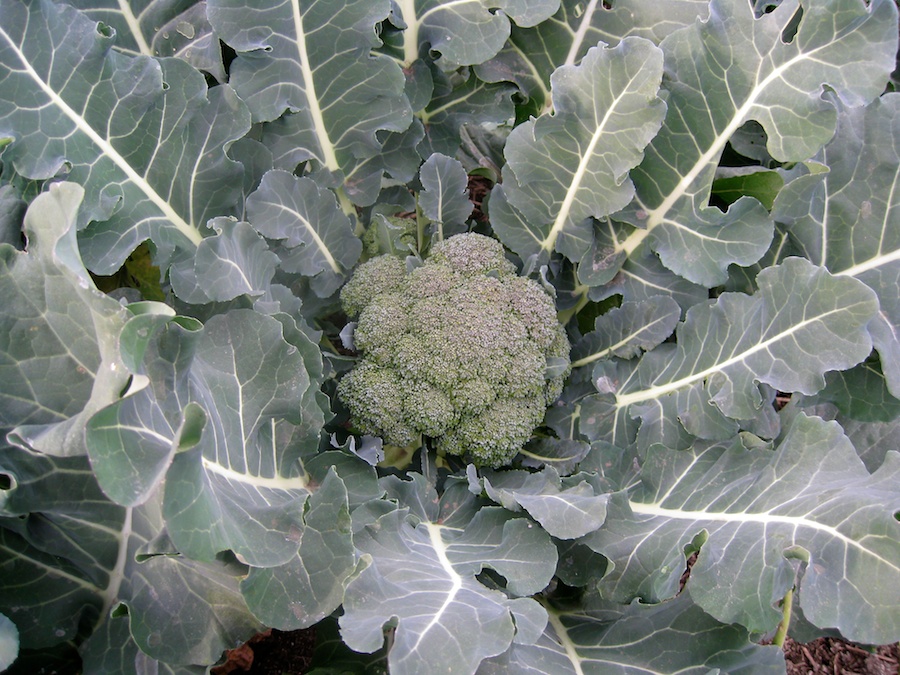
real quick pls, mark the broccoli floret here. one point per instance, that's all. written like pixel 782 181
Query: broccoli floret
pixel 460 349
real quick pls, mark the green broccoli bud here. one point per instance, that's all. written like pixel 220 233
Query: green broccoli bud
pixel 460 349
pixel 384 274
pixel 375 397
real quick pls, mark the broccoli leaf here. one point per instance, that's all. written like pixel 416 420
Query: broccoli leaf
pixel 448 27
pixel 845 217
pixel 60 361
pixel 161 28
pixel 9 642
pixel 142 136
pixel 306 589
pixel 663 638
pixel 312 58
pixel 605 112
pixel 445 199
pixel 532 54
pixel 566 508
pixel 724 72
pixel 801 323
pixel 755 518
pixel 318 237
pixel 77 557
pixel 424 576
pixel 627 331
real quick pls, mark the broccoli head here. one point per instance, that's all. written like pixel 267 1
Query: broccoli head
pixel 458 349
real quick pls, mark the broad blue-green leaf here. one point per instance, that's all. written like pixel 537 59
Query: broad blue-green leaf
pixel 424 577
pixel 59 358
pixel 318 235
pixel 627 331
pixel 669 638
pixel 237 400
pixel 563 454
pixel 845 217
pixel 731 69
pixel 445 199
pixel 132 442
pixel 643 277
pixel 161 28
pixel 859 393
pixel 565 168
pixel 532 54
pixel 872 440
pixel 801 323
pixel 9 642
pixel 308 588
pixel 111 650
pixel 463 32
pixel 566 508
pixel 755 516
pixel 143 136
pixel 69 557
pixel 312 59
pixel 235 261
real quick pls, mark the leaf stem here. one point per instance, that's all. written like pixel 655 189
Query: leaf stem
pixel 786 607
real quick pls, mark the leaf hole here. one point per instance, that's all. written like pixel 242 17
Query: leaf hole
pixel 790 30
pixel 6 481
pixel 105 30
pixel 579 10
pixel 760 8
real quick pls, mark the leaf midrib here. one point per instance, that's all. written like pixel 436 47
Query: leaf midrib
pixel 187 229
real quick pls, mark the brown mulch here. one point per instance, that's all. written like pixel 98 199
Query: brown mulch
pixel 273 652
pixel 836 657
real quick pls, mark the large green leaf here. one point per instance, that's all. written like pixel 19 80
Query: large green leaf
pixel 755 516
pixel 801 323
pixel 628 330
pixel 12 211
pixel 317 235
pixel 532 54
pixel 845 217
pixel 444 199
pixel 457 100
pixel 144 137
pixel 236 261
pixel 566 508
pixel 226 418
pixel 565 168
pixel 312 58
pixel 463 32
pixel 674 637
pixel 59 358
pixel 161 28
pixel 309 587
pixel 423 576
pixel 69 558
pixel 724 72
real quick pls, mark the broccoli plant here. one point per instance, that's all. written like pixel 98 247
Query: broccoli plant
pixel 459 349
pixel 200 198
